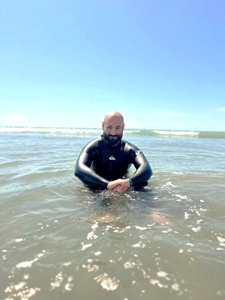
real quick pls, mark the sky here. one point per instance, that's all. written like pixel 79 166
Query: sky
pixel 161 63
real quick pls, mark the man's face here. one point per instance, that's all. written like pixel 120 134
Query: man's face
pixel 113 130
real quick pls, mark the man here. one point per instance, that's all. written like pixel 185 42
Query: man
pixel 104 162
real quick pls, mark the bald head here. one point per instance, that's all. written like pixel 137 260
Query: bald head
pixel 113 115
pixel 113 126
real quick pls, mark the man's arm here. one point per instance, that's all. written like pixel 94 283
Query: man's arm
pixel 86 174
pixel 143 170
pixel 142 174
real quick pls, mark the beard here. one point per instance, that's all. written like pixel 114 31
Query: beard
pixel 112 140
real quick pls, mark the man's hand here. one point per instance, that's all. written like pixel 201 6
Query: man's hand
pixel 119 185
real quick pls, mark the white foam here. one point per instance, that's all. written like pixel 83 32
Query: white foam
pixel 107 283
pixel 186 215
pixel 196 229
pixel 175 287
pixel 136 246
pixel 66 264
pixel 156 282
pixel 128 265
pixel 25 264
pixel 141 228
pixel 189 244
pixel 162 274
pixel 19 286
pixel 220 239
pixel 28 264
pixel 183 197
pixel 58 130
pixel 68 287
pixel 170 184
pixel 91 235
pixel 178 133
pixel 18 240
pixel 95 225
pixel 70 278
pixel 58 281
pixel 85 246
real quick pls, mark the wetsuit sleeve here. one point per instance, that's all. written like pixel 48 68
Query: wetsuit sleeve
pixel 84 172
pixel 143 172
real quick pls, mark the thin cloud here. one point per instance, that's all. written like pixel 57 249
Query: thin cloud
pixel 170 114
pixel 90 112
pixel 132 125
pixel 13 118
pixel 222 109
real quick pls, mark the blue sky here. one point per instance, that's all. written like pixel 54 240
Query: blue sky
pixel 66 63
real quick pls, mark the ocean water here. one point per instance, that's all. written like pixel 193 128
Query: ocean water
pixel 61 240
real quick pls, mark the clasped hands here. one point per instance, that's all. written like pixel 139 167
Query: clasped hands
pixel 119 185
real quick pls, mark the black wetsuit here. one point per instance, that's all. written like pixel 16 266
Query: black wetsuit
pixel 100 163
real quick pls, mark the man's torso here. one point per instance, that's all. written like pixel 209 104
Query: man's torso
pixel 111 162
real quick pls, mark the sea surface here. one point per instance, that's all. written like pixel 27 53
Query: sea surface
pixel 61 240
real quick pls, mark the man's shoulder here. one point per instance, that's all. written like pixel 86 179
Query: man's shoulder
pixel 131 148
pixel 94 144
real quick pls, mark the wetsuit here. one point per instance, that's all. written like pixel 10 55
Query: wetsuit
pixel 100 163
